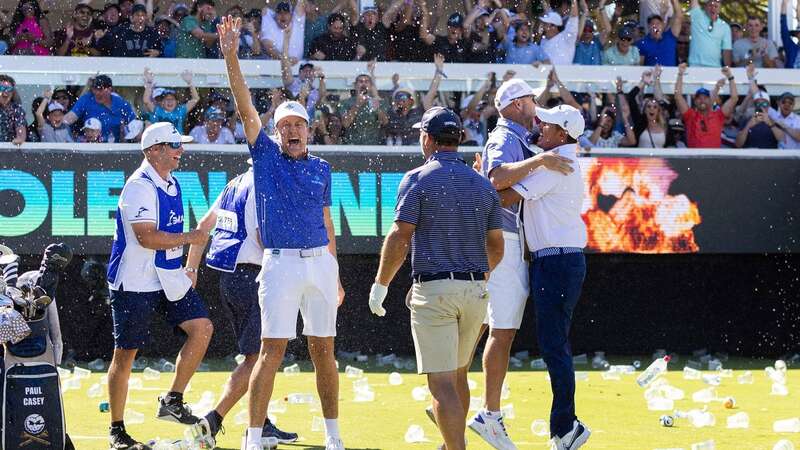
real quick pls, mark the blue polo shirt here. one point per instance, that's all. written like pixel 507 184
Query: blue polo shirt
pixel 589 54
pixel 112 118
pixel 664 51
pixel 294 191
pixel 453 207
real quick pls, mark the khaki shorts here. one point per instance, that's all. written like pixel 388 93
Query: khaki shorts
pixel 446 318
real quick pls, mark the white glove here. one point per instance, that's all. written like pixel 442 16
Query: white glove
pixel 376 296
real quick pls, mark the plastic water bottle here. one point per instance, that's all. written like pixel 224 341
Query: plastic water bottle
pixel 95 391
pixel 538 364
pixel 581 376
pixel 580 359
pixel 505 391
pixel 653 371
pixel 151 374
pixel 294 369
pixel 610 375
pixel 168 367
pixel 539 427
pixel 133 417
pixel 98 365
pixel 705 395
pixel 746 378
pixel 364 395
pixel 395 379
pixel 414 434
pixel 712 379
pixel 776 376
pixel 420 393
pixel 299 398
pixel 700 419
pixel 81 373
pixel 779 389
pixel 783 444
pixel 787 425
pixel 317 424
pixel 276 406
pixel 660 404
pixel 714 364
pixel 239 359
pixel 353 372
pixel 135 383
pixel 739 420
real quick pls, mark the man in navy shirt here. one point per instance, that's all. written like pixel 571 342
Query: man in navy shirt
pixel 450 217
pixel 112 110
pixel 293 198
pixel 660 46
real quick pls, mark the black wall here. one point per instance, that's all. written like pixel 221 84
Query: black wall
pixel 632 304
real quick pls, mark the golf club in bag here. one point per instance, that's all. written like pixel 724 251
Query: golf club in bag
pixel 32 409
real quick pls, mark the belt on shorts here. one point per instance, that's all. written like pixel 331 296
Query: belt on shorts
pixel 466 276
pixel 248 266
pixel 510 236
pixel 552 251
pixel 301 252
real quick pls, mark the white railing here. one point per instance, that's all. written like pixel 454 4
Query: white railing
pixel 410 149
pixel 39 71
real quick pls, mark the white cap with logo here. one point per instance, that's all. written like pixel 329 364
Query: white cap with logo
pixel 510 91
pixel 288 109
pixel 162 133
pixel 552 18
pixel 565 116
pixel 93 123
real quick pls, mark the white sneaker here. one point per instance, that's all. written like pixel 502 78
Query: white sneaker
pixel 492 429
pixel 575 438
pixel 333 443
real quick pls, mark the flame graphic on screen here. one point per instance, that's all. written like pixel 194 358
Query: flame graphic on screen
pixel 643 217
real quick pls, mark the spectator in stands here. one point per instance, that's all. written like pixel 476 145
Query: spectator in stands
pixel 197 31
pixel 754 48
pixel 676 134
pixel 589 48
pixel 111 15
pixel 660 46
pixel 711 39
pixel 5 21
pixel 213 129
pixel 92 132
pixel 249 43
pixel 653 126
pixel 452 46
pixel 133 40
pixel 560 45
pixel 405 111
pixel 102 103
pixel 604 135
pixel 482 39
pixel 522 50
pixel 12 117
pixel 167 32
pixel 403 19
pixel 327 128
pixel 64 97
pixel 622 52
pixel 30 30
pixel 336 44
pixel 475 111
pixel 125 11
pixel 303 83
pixel 788 121
pixel 760 131
pixel 282 24
pixel 50 121
pixel 32 131
pixel 789 45
pixel 363 114
pixel 167 108
pixel 737 32
pixel 178 11
pixel 77 38
pixel 662 8
pixel 703 123
pixel 317 20
pixel 371 35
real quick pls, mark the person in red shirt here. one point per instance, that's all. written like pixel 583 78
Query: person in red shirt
pixel 703 122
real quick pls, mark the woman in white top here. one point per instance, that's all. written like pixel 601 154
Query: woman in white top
pixel 654 128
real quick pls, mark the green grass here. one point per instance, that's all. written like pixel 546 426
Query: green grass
pixel 615 410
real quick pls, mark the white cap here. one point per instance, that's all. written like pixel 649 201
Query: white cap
pixel 553 18
pixel 290 108
pixel 761 95
pixel 55 106
pixel 565 116
pixel 162 133
pixel 510 91
pixel 93 124
pixel 133 129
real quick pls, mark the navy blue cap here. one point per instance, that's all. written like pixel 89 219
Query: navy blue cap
pixel 283 7
pixel 440 122
pixel 455 20
pixel 703 91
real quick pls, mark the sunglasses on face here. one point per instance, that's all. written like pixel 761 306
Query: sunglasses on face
pixel 402 96
pixel 626 39
pixel 173 145
pixel 6 88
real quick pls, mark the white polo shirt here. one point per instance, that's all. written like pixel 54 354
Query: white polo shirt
pixel 138 203
pixel 251 251
pixel 551 211
pixel 560 48
pixel 791 121
pixel 272 32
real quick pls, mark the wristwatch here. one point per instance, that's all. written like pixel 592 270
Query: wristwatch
pixel 190 269
pixel 730 78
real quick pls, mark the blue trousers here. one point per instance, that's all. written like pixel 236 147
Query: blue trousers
pixel 556 283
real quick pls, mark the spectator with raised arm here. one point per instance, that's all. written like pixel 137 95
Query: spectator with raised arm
pixel 789 45
pixel 167 108
pixel 363 114
pixel 327 128
pixel 336 44
pixel 371 35
pixel 622 52
pixel 77 38
pixel 167 33
pixel 589 48
pixel 660 46
pixel 12 117
pixel 405 111
pixel 304 81
pixel 197 31
pixel 30 30
pixel 404 18
pixel 452 46
pixel 249 43
pixel 760 131
pixel 703 123
pixel 788 121
pixel 666 9
pixel 133 40
pixel 606 133
pixel 753 48
pixel 50 120
pixel 711 37
pixel 481 38
pixel 560 45
pixel 101 103
pixel 523 50
pixel 281 24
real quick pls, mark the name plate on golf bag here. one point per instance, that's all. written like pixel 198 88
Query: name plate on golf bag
pixel 32 410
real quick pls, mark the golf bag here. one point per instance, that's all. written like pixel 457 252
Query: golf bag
pixel 32 408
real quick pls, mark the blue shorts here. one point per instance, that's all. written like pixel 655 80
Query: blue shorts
pixel 131 312
pixel 239 293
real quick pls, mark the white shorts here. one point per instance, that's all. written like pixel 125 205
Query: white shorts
pixel 508 287
pixel 289 283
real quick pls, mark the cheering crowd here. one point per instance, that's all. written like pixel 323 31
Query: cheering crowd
pixel 637 115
